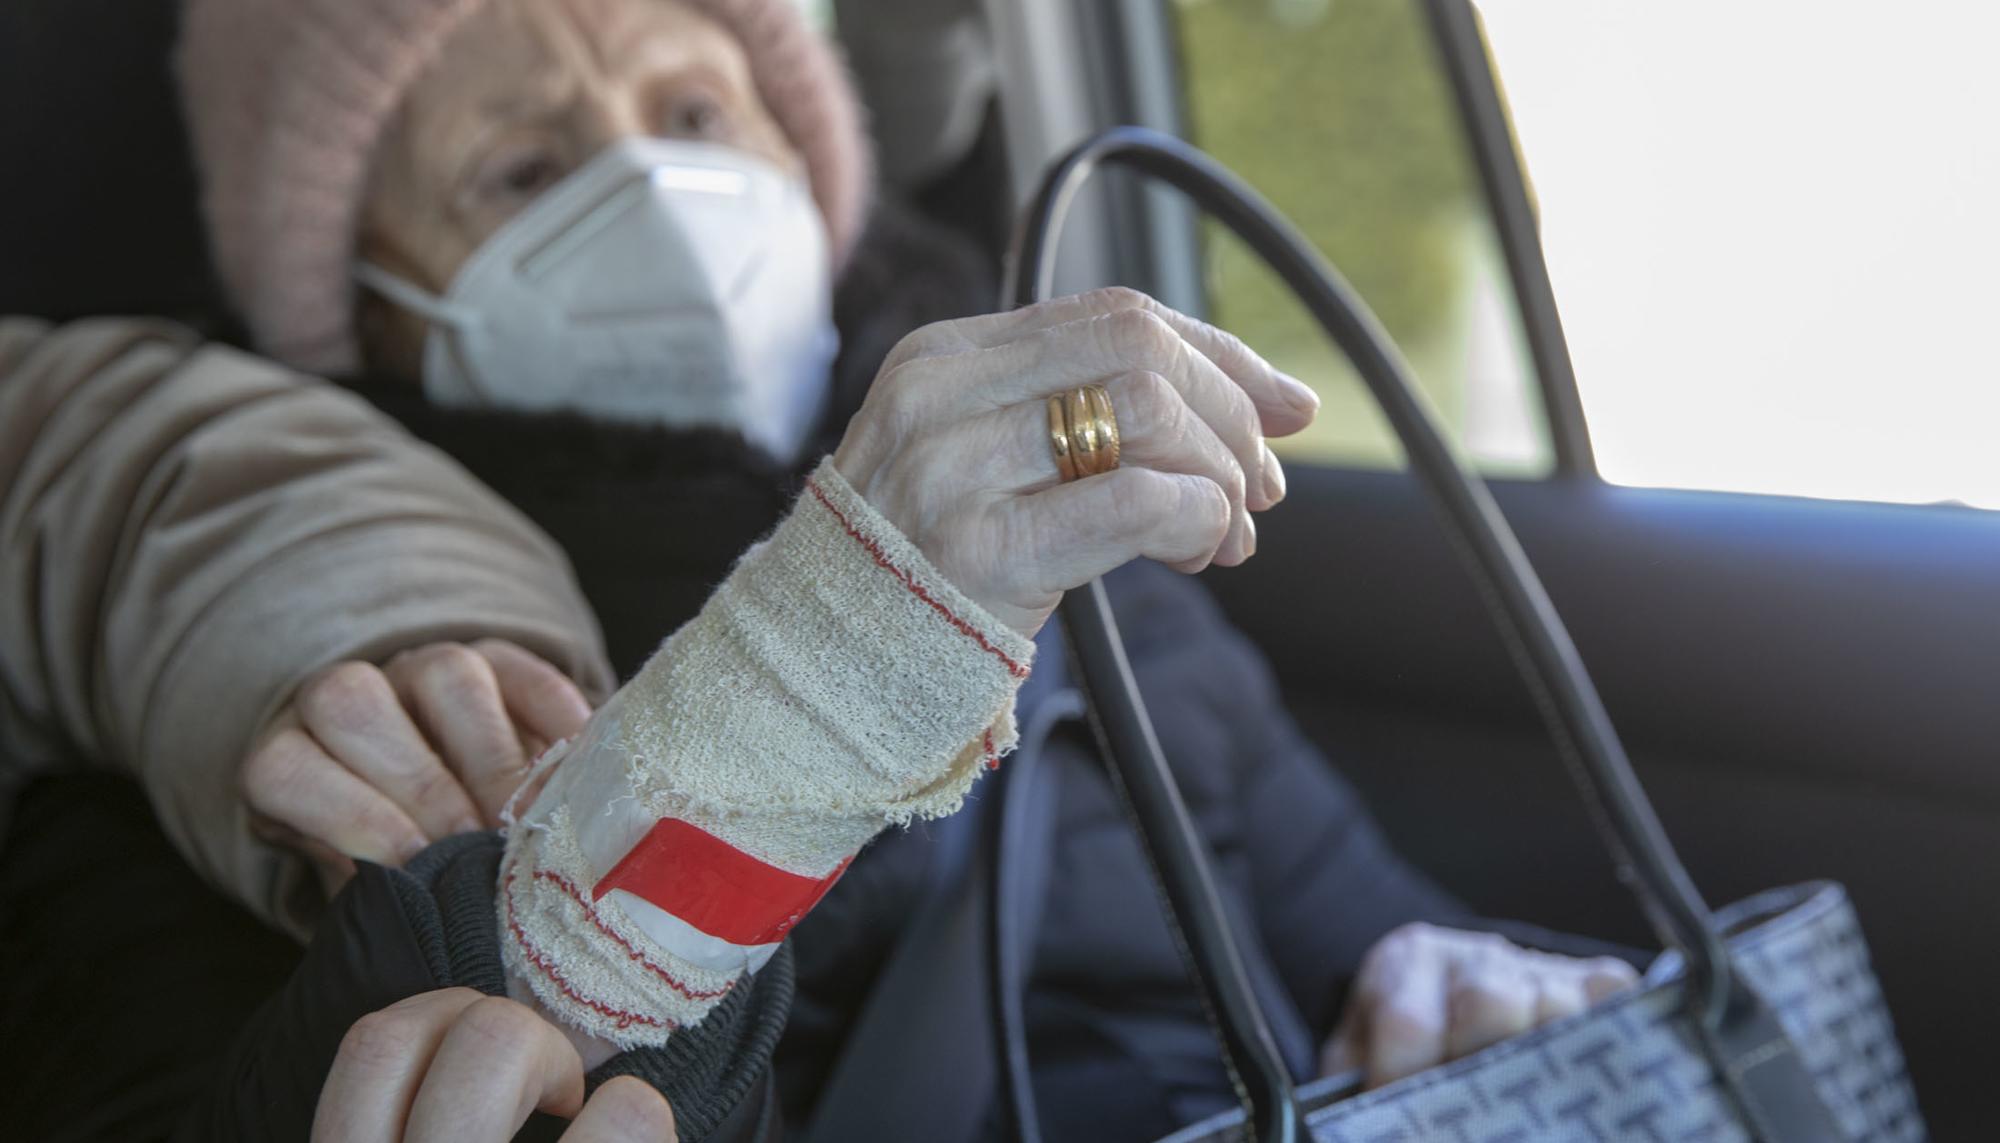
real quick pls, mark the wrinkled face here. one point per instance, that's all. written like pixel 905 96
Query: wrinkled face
pixel 523 93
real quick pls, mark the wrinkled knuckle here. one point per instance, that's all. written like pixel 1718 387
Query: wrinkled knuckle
pixel 1151 406
pixel 415 656
pixel 490 646
pixel 1209 505
pixel 1142 338
pixel 1227 342
pixel 1135 499
pixel 1231 351
pixel 501 1022
pixel 383 1038
pixel 541 681
pixel 461 678
pixel 345 695
pixel 455 662
pixel 913 345
pixel 905 348
pixel 535 676
pixel 268 770
pixel 1111 299
pixel 1243 411
pixel 899 397
pixel 1234 484
pixel 894 383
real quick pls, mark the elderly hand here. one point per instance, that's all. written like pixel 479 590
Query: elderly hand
pixel 376 763
pixel 1426 995
pixel 458 1065
pixel 952 446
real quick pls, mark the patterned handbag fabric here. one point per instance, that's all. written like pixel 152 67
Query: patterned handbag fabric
pixel 1630 1069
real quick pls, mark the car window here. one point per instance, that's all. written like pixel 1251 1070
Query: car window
pixel 1772 231
pixel 1340 114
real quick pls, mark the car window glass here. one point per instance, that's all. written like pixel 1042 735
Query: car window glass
pixel 1338 112
pixel 1772 230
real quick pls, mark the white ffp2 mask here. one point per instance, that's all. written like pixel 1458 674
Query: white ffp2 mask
pixel 663 282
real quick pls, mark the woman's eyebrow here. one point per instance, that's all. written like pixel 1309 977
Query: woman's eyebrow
pixel 518 103
pixel 688 49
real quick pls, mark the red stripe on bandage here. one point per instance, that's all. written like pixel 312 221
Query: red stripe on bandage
pixel 713 886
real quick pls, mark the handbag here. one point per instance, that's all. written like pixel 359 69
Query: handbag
pixel 1632 1068
pixel 1763 1021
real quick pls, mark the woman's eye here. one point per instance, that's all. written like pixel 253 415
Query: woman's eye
pixel 695 117
pixel 526 175
pixel 512 175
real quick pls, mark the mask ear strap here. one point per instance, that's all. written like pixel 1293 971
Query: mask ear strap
pixel 413 298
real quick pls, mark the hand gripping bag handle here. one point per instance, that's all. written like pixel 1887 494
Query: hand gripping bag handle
pixel 1726 1013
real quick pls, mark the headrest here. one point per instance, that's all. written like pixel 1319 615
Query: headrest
pixel 97 196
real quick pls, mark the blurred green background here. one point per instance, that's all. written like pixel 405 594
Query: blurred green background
pixel 1337 111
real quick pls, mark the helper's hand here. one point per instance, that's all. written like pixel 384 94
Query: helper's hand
pixel 376 763
pixel 953 447
pixel 1426 995
pixel 457 1065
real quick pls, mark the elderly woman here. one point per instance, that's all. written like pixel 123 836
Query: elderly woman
pixel 590 247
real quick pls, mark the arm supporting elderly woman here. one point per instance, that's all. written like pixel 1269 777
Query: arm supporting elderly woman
pixel 191 533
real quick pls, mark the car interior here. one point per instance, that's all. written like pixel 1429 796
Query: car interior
pixel 1806 686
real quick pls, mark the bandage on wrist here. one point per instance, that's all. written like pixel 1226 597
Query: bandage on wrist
pixel 834 684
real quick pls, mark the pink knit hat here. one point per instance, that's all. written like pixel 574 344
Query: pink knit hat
pixel 285 100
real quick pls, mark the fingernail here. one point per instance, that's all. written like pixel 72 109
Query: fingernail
pixel 1298 394
pixel 409 849
pixel 466 825
pixel 1274 476
pixel 1249 536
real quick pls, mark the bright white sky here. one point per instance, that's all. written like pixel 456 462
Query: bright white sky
pixel 1774 229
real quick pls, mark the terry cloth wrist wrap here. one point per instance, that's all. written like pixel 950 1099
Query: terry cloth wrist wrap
pixel 834 684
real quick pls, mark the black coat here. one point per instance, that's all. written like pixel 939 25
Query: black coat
pixel 1118 1042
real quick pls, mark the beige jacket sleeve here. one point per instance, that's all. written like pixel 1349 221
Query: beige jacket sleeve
pixel 188 532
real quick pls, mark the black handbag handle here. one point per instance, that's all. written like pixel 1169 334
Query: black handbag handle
pixel 1536 638
pixel 1725 1011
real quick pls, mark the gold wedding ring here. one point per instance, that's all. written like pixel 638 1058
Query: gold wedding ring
pixel 1107 427
pixel 1083 431
pixel 1059 440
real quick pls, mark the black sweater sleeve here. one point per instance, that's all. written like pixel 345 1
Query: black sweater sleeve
pixel 392 934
